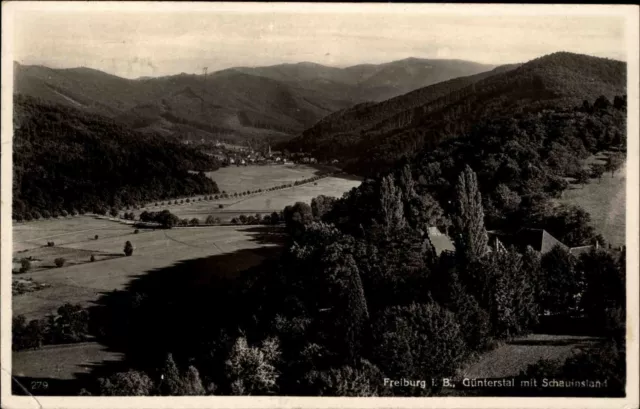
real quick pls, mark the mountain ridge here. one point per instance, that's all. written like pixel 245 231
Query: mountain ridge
pixel 385 132
pixel 278 101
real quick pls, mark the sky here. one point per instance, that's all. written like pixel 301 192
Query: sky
pixel 159 41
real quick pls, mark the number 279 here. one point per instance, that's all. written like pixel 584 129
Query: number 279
pixel 39 385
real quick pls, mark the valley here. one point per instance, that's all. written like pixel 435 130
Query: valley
pixel 143 250
pixel 84 282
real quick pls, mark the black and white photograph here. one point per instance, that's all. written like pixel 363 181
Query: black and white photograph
pixel 300 203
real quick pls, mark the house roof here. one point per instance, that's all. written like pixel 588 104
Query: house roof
pixel 440 241
pixel 538 239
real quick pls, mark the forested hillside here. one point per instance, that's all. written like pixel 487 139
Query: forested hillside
pixel 555 81
pixel 69 161
pixel 237 103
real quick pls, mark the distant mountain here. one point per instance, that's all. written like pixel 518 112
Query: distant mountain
pixel 278 101
pixel 371 136
pixel 371 82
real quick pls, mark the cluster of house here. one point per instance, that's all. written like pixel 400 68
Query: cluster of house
pixel 537 239
pixel 241 155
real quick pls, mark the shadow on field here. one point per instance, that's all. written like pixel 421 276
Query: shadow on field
pixel 173 309
pixel 268 234
pixel 182 309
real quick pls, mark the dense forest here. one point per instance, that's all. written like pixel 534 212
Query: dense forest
pixel 359 293
pixel 371 139
pixel 67 161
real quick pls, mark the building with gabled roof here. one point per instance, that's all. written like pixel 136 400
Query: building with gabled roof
pixel 537 239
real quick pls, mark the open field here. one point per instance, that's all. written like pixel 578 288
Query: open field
pixel 278 200
pixel 81 281
pixel 514 356
pixel 63 231
pixel 44 257
pixel 241 178
pixel 261 203
pixel 605 200
pixel 61 361
pixel 84 283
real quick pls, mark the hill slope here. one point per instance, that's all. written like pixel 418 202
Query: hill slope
pixel 65 159
pixel 371 137
pixel 278 101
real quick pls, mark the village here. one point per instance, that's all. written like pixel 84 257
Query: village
pixel 249 154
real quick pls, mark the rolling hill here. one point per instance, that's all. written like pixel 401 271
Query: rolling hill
pixel 370 137
pixel 65 159
pixel 277 101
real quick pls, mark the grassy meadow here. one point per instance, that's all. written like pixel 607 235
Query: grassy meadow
pixel 240 178
pixel 605 200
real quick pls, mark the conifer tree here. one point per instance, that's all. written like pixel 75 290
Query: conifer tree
pixel 193 383
pixel 171 382
pixel 391 204
pixel 470 234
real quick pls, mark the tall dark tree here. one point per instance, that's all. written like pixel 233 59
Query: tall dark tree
pixel 470 235
pixel 391 206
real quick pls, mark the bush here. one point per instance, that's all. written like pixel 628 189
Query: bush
pixel 128 248
pixel 194 222
pixel 210 220
pixel 92 258
pixel 70 325
pixel 59 262
pixel 25 265
pixel 220 206
pixel 131 383
pixel 96 237
pixel 26 336
pixel 136 231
